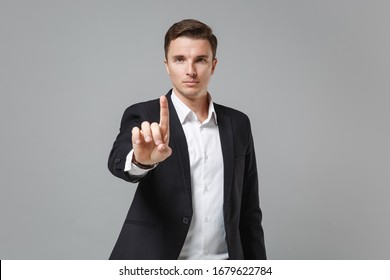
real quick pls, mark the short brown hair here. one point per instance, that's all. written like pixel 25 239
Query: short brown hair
pixel 193 29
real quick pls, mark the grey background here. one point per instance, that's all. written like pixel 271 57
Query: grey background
pixel 313 76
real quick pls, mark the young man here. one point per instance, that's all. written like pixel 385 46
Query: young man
pixel 195 162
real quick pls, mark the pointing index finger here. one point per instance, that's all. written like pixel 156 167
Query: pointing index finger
pixel 164 116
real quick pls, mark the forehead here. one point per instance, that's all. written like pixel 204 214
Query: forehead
pixel 189 46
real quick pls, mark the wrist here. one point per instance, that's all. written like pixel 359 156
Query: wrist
pixel 142 166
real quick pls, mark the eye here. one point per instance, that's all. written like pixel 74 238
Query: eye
pixel 202 60
pixel 178 59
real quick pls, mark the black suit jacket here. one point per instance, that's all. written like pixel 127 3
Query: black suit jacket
pixel 160 214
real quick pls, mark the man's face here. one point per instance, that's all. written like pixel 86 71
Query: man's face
pixel 190 65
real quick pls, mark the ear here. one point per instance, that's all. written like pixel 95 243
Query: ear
pixel 166 65
pixel 214 64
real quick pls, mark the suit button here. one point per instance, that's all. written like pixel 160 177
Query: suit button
pixel 185 220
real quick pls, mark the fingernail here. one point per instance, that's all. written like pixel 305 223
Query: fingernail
pixel 148 138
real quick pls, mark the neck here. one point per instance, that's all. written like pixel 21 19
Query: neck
pixel 198 105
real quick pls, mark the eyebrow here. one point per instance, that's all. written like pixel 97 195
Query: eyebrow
pixel 177 56
pixel 202 56
pixel 197 57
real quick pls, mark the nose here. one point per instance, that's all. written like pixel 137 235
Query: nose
pixel 191 70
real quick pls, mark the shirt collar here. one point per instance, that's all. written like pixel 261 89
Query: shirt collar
pixel 184 113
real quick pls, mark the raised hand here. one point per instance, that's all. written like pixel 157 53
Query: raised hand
pixel 151 142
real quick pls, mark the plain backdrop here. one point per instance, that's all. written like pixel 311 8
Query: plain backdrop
pixel 313 76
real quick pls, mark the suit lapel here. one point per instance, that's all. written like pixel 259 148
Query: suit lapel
pixel 178 143
pixel 227 145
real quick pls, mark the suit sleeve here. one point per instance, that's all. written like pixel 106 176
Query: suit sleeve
pixel 133 116
pixel 251 230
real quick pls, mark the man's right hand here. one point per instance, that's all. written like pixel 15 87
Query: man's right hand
pixel 151 142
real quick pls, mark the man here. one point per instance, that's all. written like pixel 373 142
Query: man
pixel 194 160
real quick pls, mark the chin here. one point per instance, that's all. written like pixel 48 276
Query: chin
pixel 190 92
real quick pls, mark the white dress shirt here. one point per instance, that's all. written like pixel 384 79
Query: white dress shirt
pixel 206 235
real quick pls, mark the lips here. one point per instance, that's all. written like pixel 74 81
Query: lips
pixel 191 82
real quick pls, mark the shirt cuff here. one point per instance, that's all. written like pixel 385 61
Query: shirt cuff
pixel 133 169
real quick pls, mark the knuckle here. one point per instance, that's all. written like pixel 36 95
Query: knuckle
pixel 154 125
pixel 145 124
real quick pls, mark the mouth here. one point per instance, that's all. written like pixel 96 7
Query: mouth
pixel 191 82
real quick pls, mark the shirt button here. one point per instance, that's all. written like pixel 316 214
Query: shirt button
pixel 206 157
pixel 206 220
pixel 185 220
